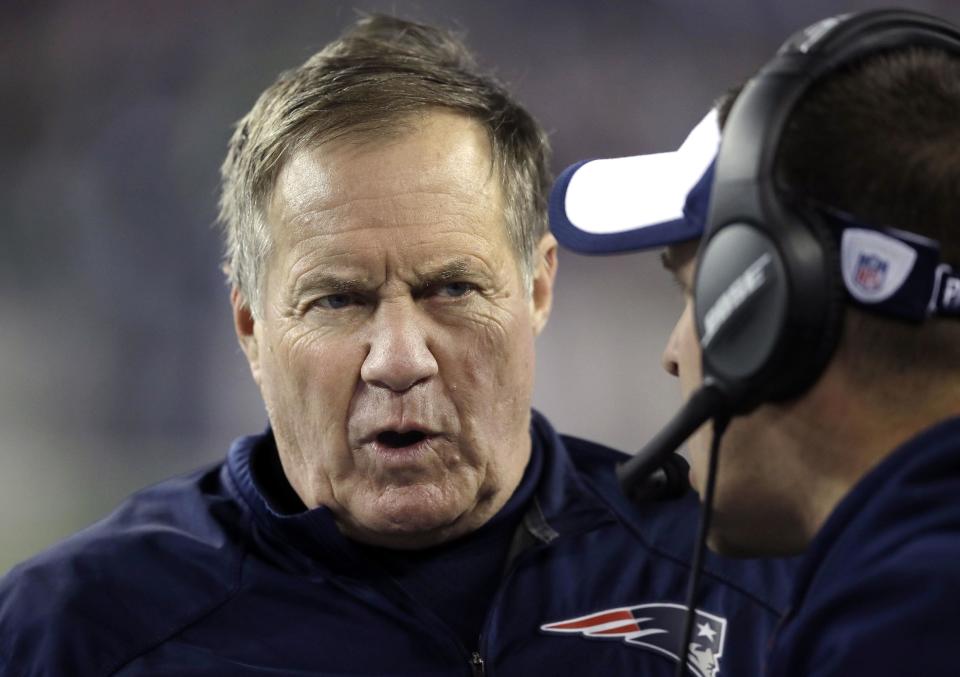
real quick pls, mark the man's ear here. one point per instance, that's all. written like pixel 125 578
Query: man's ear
pixel 244 324
pixel 544 273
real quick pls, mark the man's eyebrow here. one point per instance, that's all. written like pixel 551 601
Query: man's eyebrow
pixel 332 283
pixel 451 270
pixel 668 260
pixel 343 284
pixel 676 256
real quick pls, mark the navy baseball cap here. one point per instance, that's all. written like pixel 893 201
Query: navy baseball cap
pixel 628 204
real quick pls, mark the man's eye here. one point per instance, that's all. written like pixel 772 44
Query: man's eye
pixel 336 301
pixel 455 289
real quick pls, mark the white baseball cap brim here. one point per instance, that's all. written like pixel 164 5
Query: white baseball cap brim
pixel 640 202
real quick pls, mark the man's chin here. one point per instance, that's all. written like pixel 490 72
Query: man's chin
pixel 410 519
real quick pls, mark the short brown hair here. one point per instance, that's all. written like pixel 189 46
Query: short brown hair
pixel 378 73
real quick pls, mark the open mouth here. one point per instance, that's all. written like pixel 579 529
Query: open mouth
pixel 394 440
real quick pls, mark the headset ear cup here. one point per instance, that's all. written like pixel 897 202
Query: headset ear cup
pixel 769 304
pixel 741 307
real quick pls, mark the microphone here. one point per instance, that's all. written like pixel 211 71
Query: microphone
pixel 709 401
pixel 670 480
pixel 656 471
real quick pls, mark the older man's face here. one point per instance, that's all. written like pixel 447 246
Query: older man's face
pixel 395 350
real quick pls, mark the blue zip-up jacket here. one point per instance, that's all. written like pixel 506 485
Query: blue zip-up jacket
pixel 878 592
pixel 201 576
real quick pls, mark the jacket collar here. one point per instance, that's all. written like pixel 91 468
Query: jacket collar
pixel 564 503
pixel 884 509
pixel 305 538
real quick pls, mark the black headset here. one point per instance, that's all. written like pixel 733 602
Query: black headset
pixel 768 293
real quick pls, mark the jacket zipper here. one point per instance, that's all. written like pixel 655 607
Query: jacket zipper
pixel 476 663
pixel 476 660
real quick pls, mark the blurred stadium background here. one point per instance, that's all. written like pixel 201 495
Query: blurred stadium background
pixel 118 365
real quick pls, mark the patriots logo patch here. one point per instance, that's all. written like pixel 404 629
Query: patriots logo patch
pixel 658 627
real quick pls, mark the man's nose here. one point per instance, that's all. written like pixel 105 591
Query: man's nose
pixel 399 356
pixel 669 358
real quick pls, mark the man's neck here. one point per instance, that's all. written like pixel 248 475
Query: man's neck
pixel 843 433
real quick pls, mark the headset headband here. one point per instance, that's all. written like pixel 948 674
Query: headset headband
pixel 769 296
pixel 746 158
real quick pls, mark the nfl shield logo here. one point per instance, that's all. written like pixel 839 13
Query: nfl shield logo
pixel 870 273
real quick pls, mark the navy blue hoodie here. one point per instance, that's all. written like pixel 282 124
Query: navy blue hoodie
pixel 204 575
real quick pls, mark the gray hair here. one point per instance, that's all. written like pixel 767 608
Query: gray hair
pixel 368 81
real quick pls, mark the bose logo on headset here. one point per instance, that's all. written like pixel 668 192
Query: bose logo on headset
pixel 739 292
